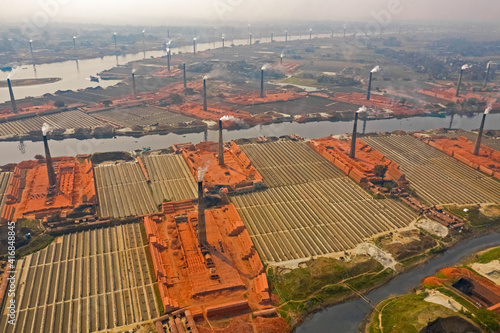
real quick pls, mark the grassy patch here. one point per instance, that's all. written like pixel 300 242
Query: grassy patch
pixel 488 256
pixel 161 309
pixel 300 283
pixel 35 245
pixel 301 81
pixel 143 233
pixel 415 311
pixel 474 215
pixel 149 258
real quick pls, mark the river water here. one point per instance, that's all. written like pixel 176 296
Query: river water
pixel 14 152
pixel 347 317
pixel 75 74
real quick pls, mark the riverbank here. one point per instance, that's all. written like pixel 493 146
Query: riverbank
pixel 30 82
pixel 349 315
pixel 439 296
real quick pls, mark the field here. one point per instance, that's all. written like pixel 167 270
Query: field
pixel 170 178
pixel 63 120
pixel 312 208
pixel 435 176
pixel 310 104
pixel 122 190
pixel 4 183
pixel 142 116
pixel 85 282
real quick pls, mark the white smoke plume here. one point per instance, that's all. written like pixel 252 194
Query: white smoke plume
pixel 195 39
pixel 143 31
pixel 466 66
pixel 74 37
pixel 362 109
pixel 488 109
pixel 233 119
pixel 206 77
pixel 46 128
pixel 133 70
pixel 266 66
pixel 376 69
pixel 114 33
pixel 201 172
pixel 31 40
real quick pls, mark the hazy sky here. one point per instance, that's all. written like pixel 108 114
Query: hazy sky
pixel 156 12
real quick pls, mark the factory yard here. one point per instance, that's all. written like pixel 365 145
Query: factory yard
pixel 122 190
pixel 437 177
pixel 170 178
pixel 141 116
pixel 61 120
pixel 4 183
pixel 85 282
pixel 312 208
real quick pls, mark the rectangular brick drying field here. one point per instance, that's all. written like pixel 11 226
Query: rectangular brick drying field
pixel 170 178
pixel 311 207
pixel 123 191
pixel 85 282
pixel 437 177
pixel 4 184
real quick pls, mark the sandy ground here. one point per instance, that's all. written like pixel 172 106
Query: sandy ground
pixel 433 227
pixel 490 270
pixel 384 258
pixel 439 298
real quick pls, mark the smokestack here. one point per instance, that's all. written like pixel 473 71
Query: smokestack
pixel 486 78
pixel 333 30
pixel 194 46
pixel 310 34
pixel 48 159
pixel 272 37
pixel 12 99
pixel 223 46
pixel 221 145
pixel 262 83
pixel 168 59
pixel 459 83
pixel 352 153
pixel 480 134
pixel 286 35
pixel 250 40
pixel 202 231
pixel 369 87
pixel 451 120
pixel 31 49
pixel 205 95
pixel 74 42
pixel 114 37
pixel 344 30
pixel 134 91
pixel 281 59
pixel 184 75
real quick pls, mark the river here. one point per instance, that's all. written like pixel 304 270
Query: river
pixel 75 74
pixel 347 317
pixel 14 152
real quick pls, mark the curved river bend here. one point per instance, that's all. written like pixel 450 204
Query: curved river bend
pixel 347 317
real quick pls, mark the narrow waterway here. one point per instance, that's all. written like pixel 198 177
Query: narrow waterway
pixel 14 152
pixel 347 317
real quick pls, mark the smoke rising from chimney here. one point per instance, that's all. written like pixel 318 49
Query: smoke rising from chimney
pixel 466 66
pixel 362 109
pixel 46 128
pixel 201 172
pixel 376 69
pixel 488 109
